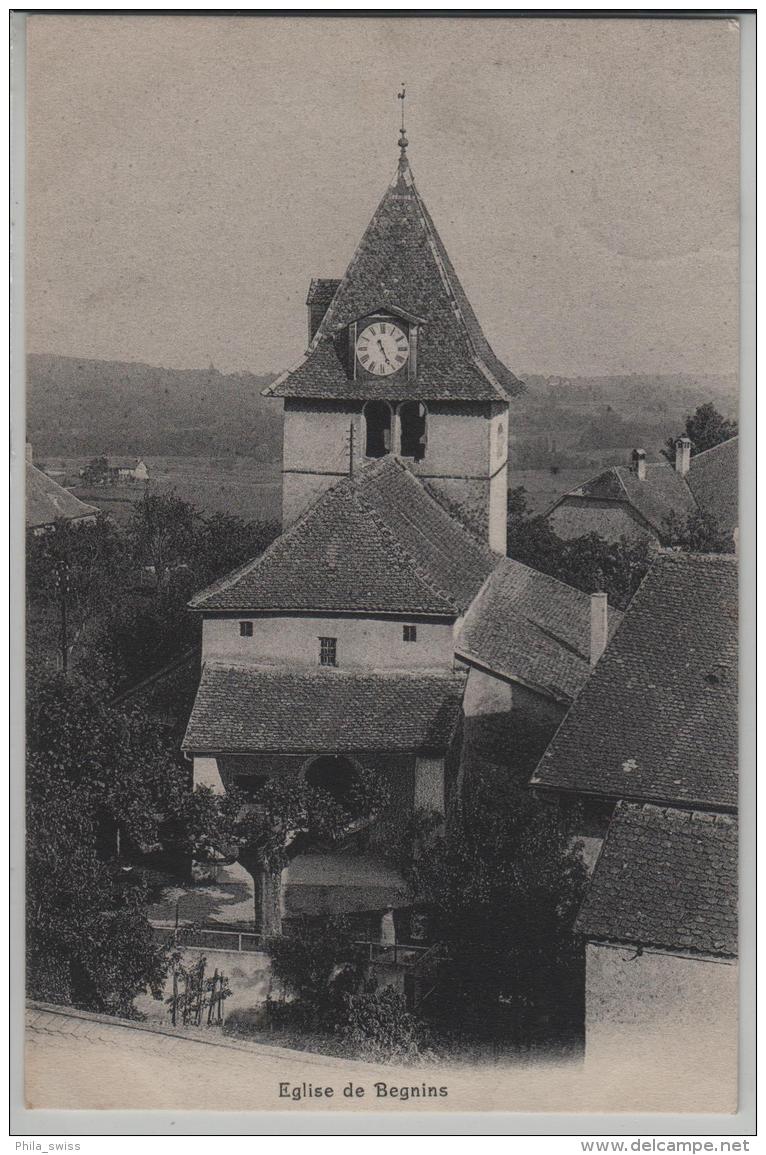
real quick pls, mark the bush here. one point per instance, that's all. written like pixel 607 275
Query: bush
pixel 377 1026
pixel 317 963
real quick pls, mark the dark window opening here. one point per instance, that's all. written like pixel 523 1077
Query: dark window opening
pixel 328 651
pixel 250 784
pixel 377 418
pixel 333 773
pixel 246 629
pixel 412 422
pixel 410 633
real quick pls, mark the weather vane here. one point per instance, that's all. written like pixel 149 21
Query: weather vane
pixel 403 142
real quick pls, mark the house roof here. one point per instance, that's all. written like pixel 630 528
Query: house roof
pixel 375 542
pixel 401 263
pixel 665 878
pixel 245 709
pixel 46 501
pixel 669 677
pixel 662 493
pixel 714 480
pixel 529 626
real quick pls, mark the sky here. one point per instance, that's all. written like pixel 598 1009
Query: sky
pixel 187 176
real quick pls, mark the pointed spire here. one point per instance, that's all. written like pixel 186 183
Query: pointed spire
pixel 403 142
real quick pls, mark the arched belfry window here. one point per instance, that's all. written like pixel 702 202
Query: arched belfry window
pixel 412 430
pixel 377 420
pixel 333 773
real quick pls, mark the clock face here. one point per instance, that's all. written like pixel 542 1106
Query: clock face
pixel 382 348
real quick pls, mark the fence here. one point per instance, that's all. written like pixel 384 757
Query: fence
pixel 208 938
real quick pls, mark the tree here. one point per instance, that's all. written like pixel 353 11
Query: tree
pixel 161 533
pixel 104 787
pixel 705 428
pixel 699 533
pixel 88 942
pixel 96 472
pixel 75 574
pixel 504 887
pixel 589 563
pixel 286 817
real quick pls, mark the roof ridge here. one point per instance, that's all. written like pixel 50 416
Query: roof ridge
pixel 425 489
pixel 404 553
pixel 253 563
pixel 720 445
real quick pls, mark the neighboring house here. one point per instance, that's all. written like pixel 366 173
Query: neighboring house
pixel 530 643
pixel 128 469
pixel 649 753
pixel 636 502
pixel 111 471
pixel 47 502
pixel 660 927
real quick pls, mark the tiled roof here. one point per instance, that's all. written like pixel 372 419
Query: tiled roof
pixel 657 720
pixel 322 290
pixel 665 878
pixel 376 542
pixel 46 501
pixel 531 627
pixel 401 263
pixel 714 481
pixel 662 493
pixel 245 709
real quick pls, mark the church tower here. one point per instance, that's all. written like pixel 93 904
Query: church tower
pixel 397 363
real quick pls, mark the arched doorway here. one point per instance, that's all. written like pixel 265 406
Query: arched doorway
pixel 333 773
pixel 412 430
pixel 377 420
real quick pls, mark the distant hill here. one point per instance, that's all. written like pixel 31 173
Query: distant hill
pixel 574 421
pixel 77 406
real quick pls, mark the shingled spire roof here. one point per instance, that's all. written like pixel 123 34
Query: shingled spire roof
pixel 402 265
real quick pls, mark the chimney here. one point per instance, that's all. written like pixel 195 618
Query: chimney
pixel 29 452
pixel 639 463
pixel 599 625
pixel 683 455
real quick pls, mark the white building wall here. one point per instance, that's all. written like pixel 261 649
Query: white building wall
pixel 363 642
pixel 663 1018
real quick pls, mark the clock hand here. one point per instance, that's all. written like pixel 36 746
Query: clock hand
pixel 383 351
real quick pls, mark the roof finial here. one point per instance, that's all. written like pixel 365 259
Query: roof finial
pixel 403 142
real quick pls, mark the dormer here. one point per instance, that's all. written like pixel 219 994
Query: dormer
pixel 382 345
pixel 320 295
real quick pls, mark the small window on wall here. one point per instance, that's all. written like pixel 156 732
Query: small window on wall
pixel 409 633
pixel 328 651
pixel 250 784
pixel 246 629
pixel 500 438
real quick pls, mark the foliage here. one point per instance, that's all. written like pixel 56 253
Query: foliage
pixel 121 629
pixel 588 563
pixel 290 813
pixel 376 1025
pixel 705 428
pixel 83 562
pixel 504 887
pixel 699 533
pixel 317 963
pixel 88 942
pixel 161 533
pixel 96 773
